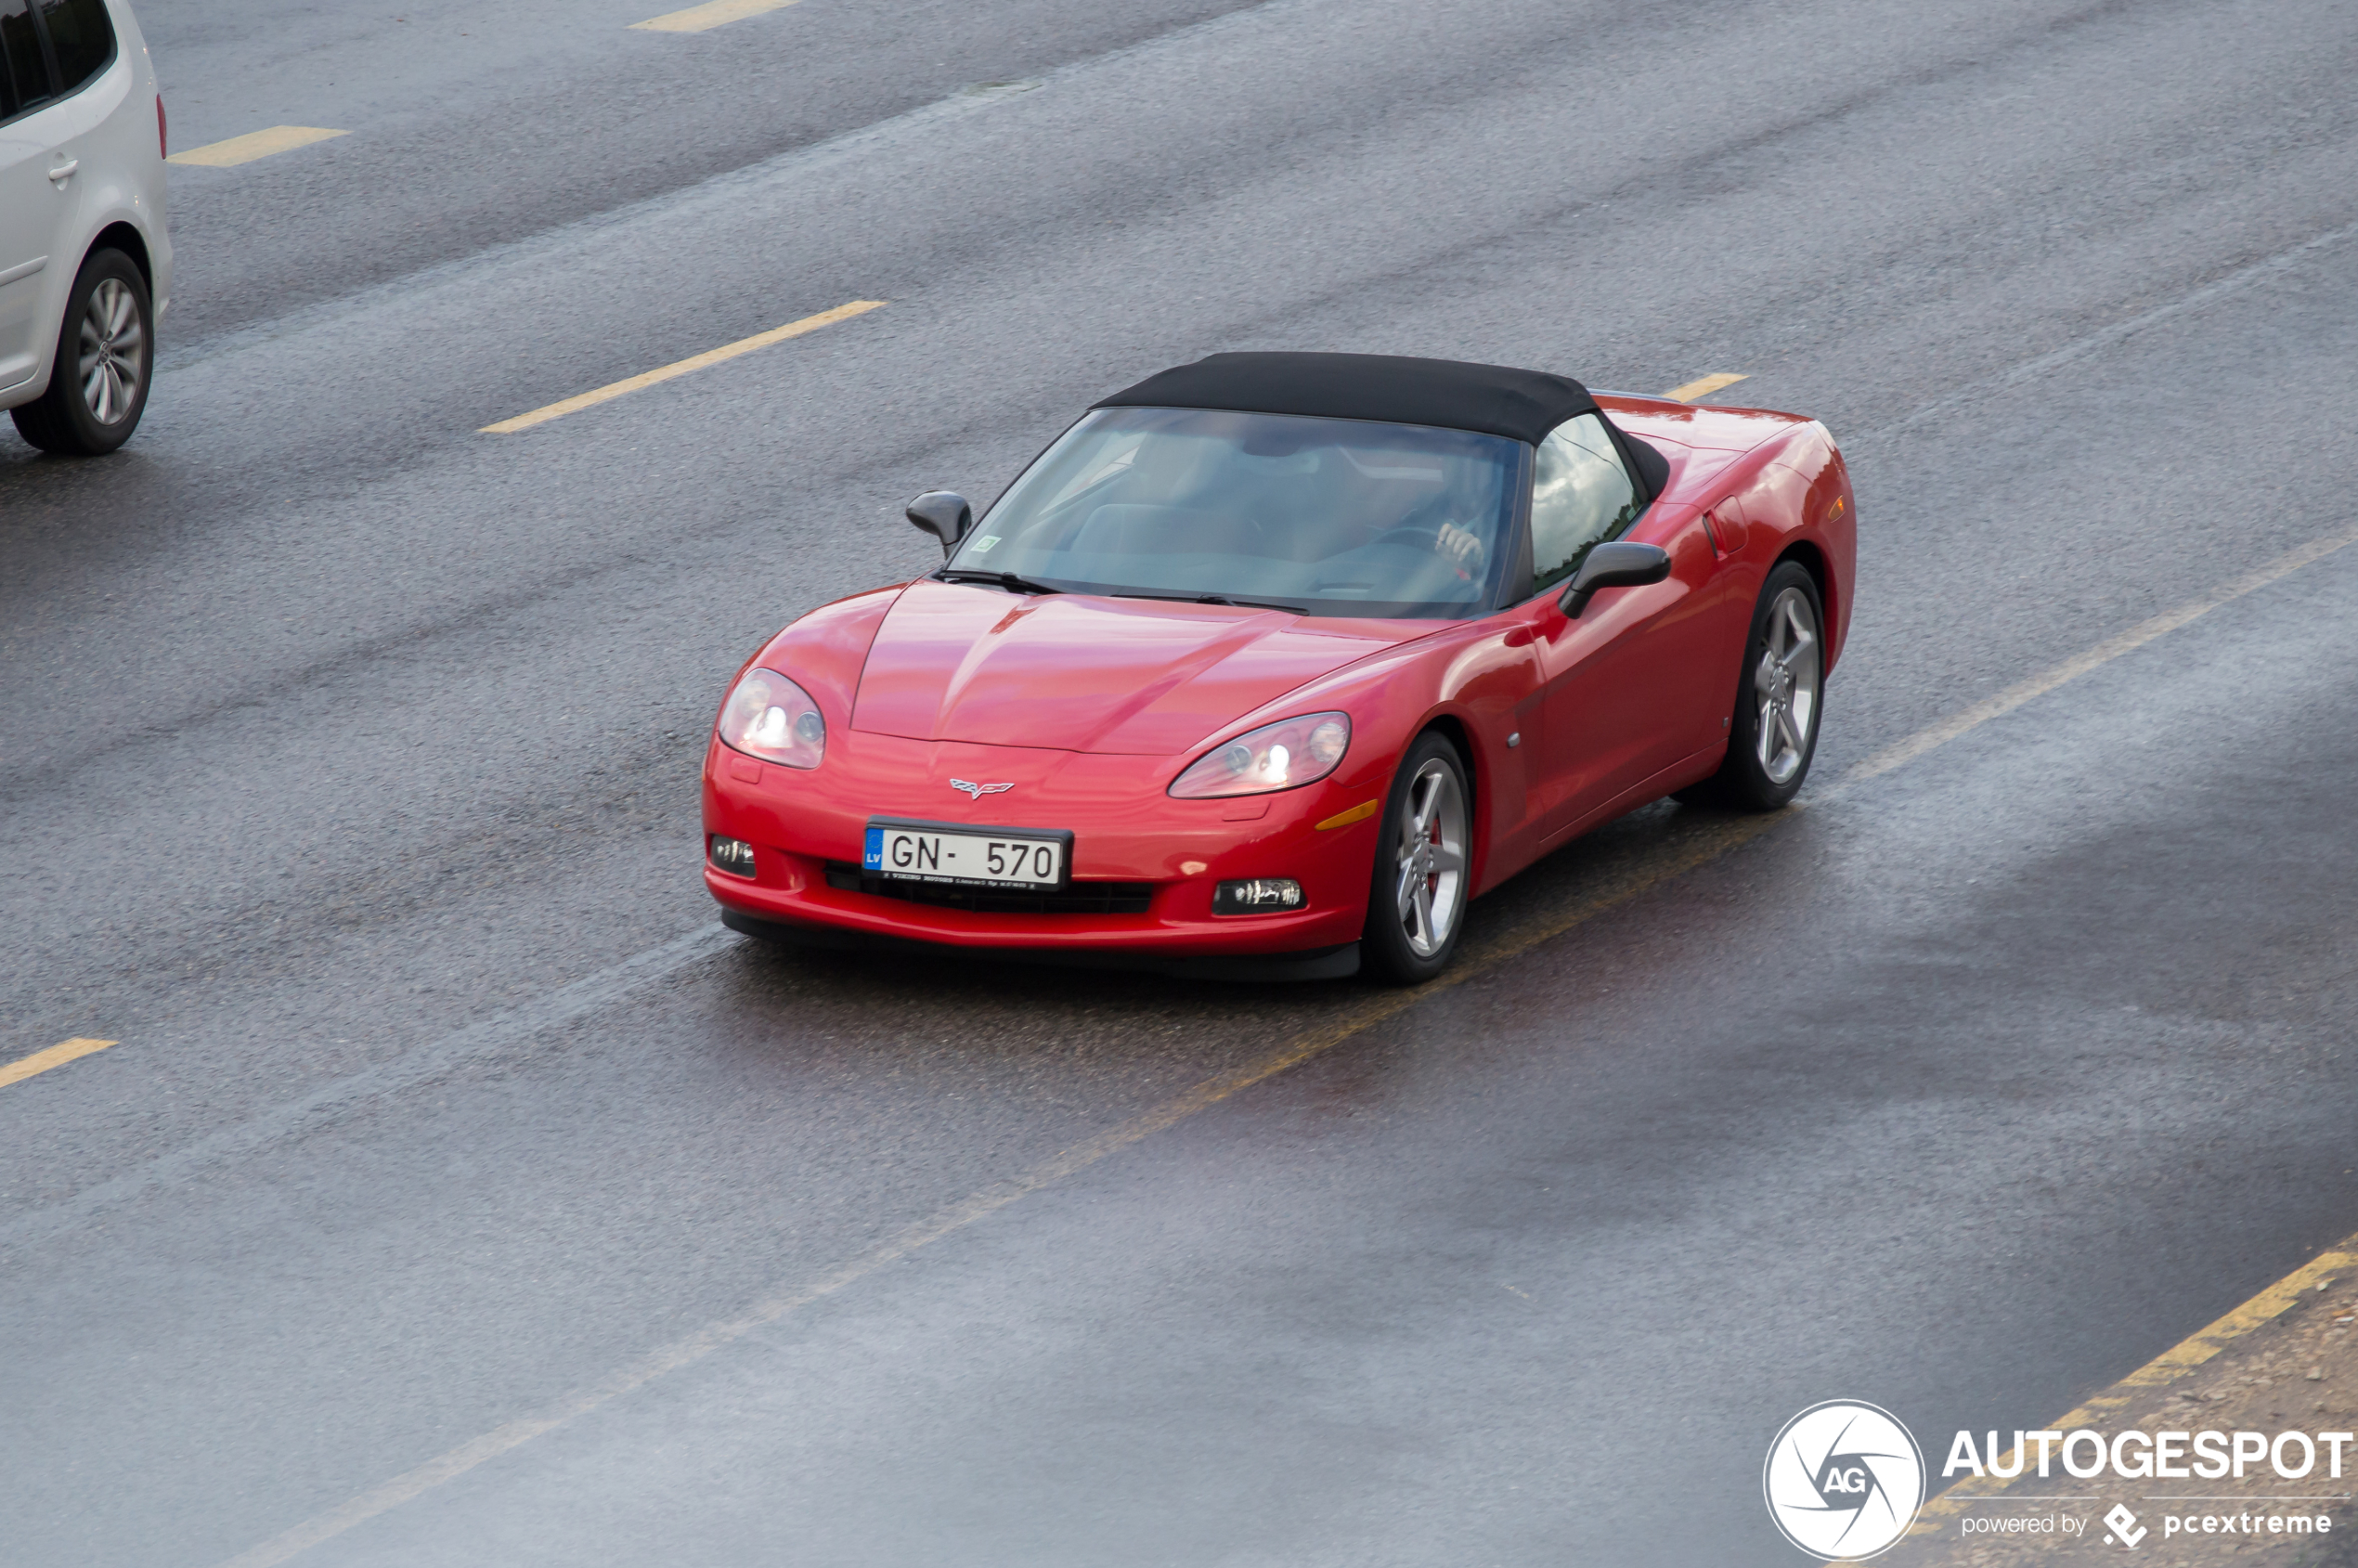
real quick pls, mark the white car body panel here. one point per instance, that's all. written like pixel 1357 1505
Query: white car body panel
pixel 33 222
pixel 108 131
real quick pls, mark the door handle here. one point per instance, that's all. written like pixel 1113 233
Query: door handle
pixel 64 171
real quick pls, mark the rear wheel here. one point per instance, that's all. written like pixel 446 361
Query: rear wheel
pixel 1416 904
pixel 1780 697
pixel 106 355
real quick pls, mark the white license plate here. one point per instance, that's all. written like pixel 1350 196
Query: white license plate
pixel 926 852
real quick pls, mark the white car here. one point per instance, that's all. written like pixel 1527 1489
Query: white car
pixel 85 264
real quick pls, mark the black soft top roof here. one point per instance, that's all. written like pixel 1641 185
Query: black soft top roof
pixel 1523 405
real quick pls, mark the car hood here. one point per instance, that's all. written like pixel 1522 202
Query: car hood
pixel 1077 672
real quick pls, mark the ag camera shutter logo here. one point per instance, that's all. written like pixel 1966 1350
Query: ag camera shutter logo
pixel 1844 1479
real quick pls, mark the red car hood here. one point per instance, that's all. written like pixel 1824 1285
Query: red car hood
pixel 1074 673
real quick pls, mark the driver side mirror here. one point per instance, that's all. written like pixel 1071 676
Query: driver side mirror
pixel 945 515
pixel 1619 565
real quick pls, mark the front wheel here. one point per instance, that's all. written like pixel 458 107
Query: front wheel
pixel 106 355
pixel 1780 697
pixel 1416 904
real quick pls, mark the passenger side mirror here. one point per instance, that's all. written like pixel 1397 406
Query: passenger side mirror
pixel 1620 565
pixel 945 515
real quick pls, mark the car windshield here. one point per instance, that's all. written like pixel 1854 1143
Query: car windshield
pixel 1333 517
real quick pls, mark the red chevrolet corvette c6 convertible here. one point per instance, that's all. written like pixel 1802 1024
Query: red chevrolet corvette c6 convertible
pixel 1272 662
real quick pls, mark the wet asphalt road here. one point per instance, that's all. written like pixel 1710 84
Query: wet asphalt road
pixel 348 758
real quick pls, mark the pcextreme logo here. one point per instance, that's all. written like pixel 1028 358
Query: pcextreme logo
pixel 1844 1479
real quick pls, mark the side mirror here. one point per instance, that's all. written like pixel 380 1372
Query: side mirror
pixel 945 515
pixel 1619 565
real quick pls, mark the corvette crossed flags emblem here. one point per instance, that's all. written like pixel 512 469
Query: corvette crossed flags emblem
pixel 975 791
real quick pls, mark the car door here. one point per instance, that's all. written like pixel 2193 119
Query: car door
pixel 31 210
pixel 1626 693
pixel 56 51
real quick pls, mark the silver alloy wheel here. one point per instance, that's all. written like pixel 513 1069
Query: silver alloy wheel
pixel 112 336
pixel 1786 685
pixel 1430 858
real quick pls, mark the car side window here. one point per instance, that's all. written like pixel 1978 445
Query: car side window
pixel 1580 497
pixel 81 38
pixel 24 76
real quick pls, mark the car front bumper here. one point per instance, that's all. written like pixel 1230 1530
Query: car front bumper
pixel 1162 857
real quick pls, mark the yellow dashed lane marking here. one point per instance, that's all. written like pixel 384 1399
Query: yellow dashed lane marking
pixel 1608 894
pixel 1703 386
pixel 696 19
pixel 253 145
pixel 708 357
pixel 41 1061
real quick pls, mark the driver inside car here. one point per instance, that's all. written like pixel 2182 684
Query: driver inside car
pixel 1461 549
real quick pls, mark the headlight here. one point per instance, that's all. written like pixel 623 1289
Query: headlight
pixel 1285 755
pixel 770 717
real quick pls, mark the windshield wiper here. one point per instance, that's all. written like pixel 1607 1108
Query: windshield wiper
pixel 1216 599
pixel 1007 580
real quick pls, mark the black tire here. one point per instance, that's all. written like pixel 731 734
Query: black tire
pixel 1745 781
pixel 112 330
pixel 1390 951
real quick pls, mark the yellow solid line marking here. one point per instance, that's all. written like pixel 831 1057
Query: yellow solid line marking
pixel 2171 1365
pixel 1707 846
pixel 1703 387
pixel 696 19
pixel 1358 813
pixel 253 145
pixel 41 1061
pixel 708 357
